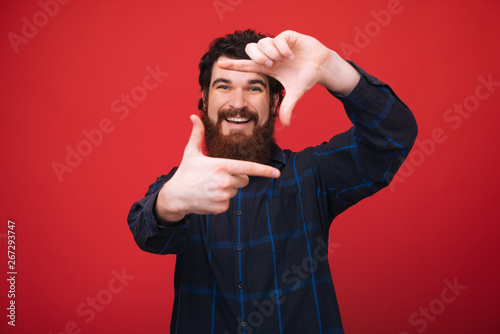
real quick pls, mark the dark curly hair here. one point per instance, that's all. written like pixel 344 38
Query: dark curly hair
pixel 232 46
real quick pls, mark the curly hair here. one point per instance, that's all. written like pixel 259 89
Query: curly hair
pixel 232 46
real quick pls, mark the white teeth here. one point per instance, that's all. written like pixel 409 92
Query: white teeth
pixel 237 119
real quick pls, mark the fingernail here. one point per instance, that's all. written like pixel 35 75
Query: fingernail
pixel 290 57
pixel 276 173
pixel 268 63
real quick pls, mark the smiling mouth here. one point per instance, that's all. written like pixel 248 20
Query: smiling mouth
pixel 238 120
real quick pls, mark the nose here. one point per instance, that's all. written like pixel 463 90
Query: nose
pixel 238 99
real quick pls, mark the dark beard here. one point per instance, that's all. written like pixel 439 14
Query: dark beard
pixel 238 145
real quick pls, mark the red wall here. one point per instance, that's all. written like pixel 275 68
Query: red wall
pixel 395 254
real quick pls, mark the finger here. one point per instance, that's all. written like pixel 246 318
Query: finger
pixel 196 138
pixel 239 181
pixel 226 181
pixel 238 167
pixel 256 54
pixel 281 43
pixel 267 46
pixel 286 108
pixel 242 65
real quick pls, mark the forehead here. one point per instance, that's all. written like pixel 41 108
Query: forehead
pixel 234 76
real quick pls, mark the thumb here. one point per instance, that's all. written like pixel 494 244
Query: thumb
pixel 286 108
pixel 197 134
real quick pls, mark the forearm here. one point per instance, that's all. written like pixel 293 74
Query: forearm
pixel 379 114
pixel 384 127
pixel 149 234
pixel 361 161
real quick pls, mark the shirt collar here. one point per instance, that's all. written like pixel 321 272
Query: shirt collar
pixel 277 154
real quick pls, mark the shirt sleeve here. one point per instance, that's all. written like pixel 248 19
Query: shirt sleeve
pixel 359 162
pixel 148 234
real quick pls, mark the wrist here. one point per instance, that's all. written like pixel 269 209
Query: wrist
pixel 338 75
pixel 168 209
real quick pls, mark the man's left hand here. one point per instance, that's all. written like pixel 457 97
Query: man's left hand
pixel 299 62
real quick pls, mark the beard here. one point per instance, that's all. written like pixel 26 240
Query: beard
pixel 237 145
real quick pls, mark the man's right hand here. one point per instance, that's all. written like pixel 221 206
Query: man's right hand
pixel 204 185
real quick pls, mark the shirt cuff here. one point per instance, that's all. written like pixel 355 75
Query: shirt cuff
pixel 157 229
pixel 366 88
pixel 367 91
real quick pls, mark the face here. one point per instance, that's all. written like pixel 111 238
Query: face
pixel 239 100
pixel 238 116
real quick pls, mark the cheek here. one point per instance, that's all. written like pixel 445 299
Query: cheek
pixel 212 114
pixel 212 110
pixel 263 112
pixel 215 103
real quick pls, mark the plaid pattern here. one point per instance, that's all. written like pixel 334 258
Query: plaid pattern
pixel 262 266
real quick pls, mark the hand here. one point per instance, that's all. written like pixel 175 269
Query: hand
pixel 204 185
pixel 291 58
pixel 299 62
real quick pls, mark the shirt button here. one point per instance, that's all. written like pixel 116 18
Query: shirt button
pixel 240 285
pixel 238 212
pixel 243 324
pixel 239 247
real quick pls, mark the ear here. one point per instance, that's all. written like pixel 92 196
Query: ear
pixel 204 96
pixel 275 99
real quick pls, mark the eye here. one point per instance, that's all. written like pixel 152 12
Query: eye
pixel 223 87
pixel 255 89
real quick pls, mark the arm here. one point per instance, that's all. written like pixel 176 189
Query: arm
pixel 365 158
pixel 356 164
pixel 201 185
pixel 149 234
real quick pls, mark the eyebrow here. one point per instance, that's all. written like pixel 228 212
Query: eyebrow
pixel 257 81
pixel 250 82
pixel 216 81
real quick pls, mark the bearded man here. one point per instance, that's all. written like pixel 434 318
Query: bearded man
pixel 249 222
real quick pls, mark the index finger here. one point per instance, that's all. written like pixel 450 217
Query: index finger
pixel 242 65
pixel 238 167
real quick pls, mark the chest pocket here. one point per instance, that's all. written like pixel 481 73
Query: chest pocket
pixel 285 219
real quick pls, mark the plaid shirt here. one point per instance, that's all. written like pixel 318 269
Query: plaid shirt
pixel 262 266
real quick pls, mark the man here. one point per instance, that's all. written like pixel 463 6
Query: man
pixel 251 236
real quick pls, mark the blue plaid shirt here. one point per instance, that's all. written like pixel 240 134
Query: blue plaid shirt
pixel 262 266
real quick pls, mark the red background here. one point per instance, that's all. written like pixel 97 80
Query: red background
pixel 394 250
